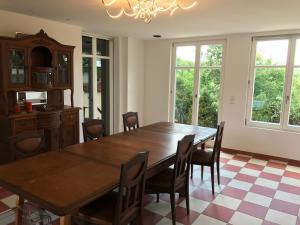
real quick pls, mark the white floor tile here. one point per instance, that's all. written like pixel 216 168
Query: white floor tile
pixel 206 220
pixel 226 155
pixel 166 221
pixel 228 202
pixel 273 170
pixel 293 169
pixel 10 201
pixel 236 163
pixel 290 181
pixel 162 208
pixel 267 183
pixel 280 217
pixel 207 186
pixel 250 172
pixel 258 199
pixel 288 197
pixel 196 205
pixel 258 162
pixel 240 185
pixel 227 173
pixel 239 218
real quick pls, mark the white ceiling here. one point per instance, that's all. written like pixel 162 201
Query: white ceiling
pixel 209 17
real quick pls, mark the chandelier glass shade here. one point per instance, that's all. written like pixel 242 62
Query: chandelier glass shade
pixel 144 9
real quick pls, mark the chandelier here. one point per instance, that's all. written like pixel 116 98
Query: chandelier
pixel 143 9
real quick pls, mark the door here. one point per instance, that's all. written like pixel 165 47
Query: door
pixel 197 73
pixel 96 76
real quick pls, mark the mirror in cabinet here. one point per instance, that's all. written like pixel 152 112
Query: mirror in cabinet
pixel 63 70
pixel 17 69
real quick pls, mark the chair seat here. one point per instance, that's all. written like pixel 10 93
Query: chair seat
pixel 101 211
pixel 160 182
pixel 202 157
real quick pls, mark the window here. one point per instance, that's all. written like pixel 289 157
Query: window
pixel 275 85
pixel 197 83
pixel 96 66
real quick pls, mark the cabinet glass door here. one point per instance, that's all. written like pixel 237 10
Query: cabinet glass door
pixel 17 74
pixel 63 63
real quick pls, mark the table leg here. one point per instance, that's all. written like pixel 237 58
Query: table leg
pixel 65 220
pixel 203 146
pixel 19 210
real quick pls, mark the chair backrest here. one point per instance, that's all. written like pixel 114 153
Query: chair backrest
pixel 92 129
pixel 131 190
pixel 27 143
pixel 183 160
pixel 218 142
pixel 130 121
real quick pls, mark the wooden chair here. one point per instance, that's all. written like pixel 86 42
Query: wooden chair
pixel 27 144
pixel 130 121
pixel 175 180
pixel 92 129
pixel 207 157
pixel 124 206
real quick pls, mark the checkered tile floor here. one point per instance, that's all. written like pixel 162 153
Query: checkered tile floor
pixel 252 192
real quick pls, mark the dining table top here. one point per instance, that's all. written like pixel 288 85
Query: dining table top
pixel 63 181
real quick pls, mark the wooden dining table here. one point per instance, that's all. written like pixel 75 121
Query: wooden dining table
pixel 63 181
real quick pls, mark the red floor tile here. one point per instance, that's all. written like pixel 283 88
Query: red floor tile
pixel 268 223
pixel 276 165
pixel 224 160
pixel 246 178
pixel 286 207
pixel 224 180
pixel 291 174
pixel 219 212
pixel 4 193
pixel 241 158
pixel 182 217
pixel 3 207
pixel 253 210
pixel 270 176
pixel 150 218
pixel 263 190
pixel 232 168
pixel 254 166
pixel 234 192
pixel 289 188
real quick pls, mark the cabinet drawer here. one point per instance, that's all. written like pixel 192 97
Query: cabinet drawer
pixel 20 125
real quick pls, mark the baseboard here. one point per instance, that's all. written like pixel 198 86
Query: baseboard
pixel 262 156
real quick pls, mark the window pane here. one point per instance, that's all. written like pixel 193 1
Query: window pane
pixel 102 47
pixel 87 88
pixel 272 52
pixel 211 55
pixel 102 73
pixel 294 117
pixel 185 56
pixel 87 45
pixel 184 95
pixel 268 95
pixel 297 56
pixel 209 97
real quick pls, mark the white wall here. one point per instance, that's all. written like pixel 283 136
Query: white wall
pixel 128 79
pixel 63 33
pixel 237 135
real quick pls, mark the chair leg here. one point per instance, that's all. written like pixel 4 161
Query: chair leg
pixel 218 171
pixel 172 198
pixel 192 170
pixel 212 173
pixel 157 197
pixel 187 198
pixel 202 172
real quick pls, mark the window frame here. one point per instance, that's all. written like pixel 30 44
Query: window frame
pixel 287 88
pixel 94 57
pixel 197 76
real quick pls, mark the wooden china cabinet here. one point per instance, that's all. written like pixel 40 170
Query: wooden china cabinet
pixel 36 63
